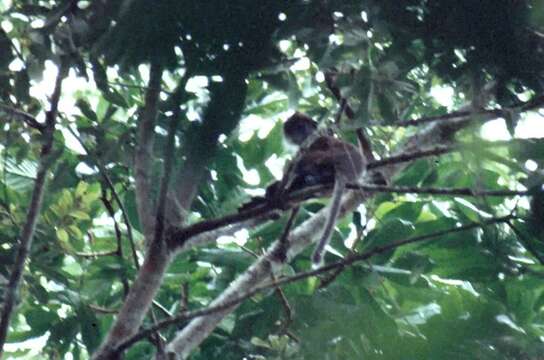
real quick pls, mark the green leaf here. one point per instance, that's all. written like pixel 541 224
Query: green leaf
pixel 80 215
pixel 234 259
pixel 86 110
pixel 386 109
pixel 81 188
pixel 114 97
pixel 90 329
pixel 62 235
pixel 22 85
pixel 40 320
pixel 6 51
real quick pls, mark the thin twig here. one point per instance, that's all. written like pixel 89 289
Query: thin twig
pixel 184 297
pixel 284 243
pixel 118 236
pixel 286 309
pixel 161 307
pixel 437 150
pixel 534 103
pixel 102 310
pixel 104 173
pixel 329 279
pixel 437 191
pixel 448 116
pixel 23 116
pixel 96 254
pixel 111 213
pixel 146 88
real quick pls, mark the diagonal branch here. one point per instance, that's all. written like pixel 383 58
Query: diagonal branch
pixel 221 115
pixel 178 236
pixel 187 315
pixel 23 116
pixel 47 158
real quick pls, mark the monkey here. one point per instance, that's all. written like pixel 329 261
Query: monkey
pixel 326 159
pixel 322 159
pixel 298 128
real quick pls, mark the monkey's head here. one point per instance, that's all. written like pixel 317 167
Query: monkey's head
pixel 298 127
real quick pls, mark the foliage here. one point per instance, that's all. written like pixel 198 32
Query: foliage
pixel 473 294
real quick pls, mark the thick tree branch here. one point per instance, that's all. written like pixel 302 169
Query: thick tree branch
pixel 222 114
pixel 138 300
pixel 179 235
pixel 161 204
pixel 187 315
pixel 143 159
pixel 46 160
pixel 221 117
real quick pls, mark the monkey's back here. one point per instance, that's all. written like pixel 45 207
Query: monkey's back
pixel 326 152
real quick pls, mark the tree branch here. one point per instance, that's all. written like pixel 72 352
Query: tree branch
pixel 222 114
pixel 104 173
pixel 118 237
pixel 210 310
pixel 23 116
pixel 221 117
pixel 179 235
pixel 143 160
pixel 47 159
pixel 161 204
pixel 404 157
pixel 437 191
pixel 532 104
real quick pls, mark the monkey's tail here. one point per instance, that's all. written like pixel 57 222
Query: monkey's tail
pixel 338 190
